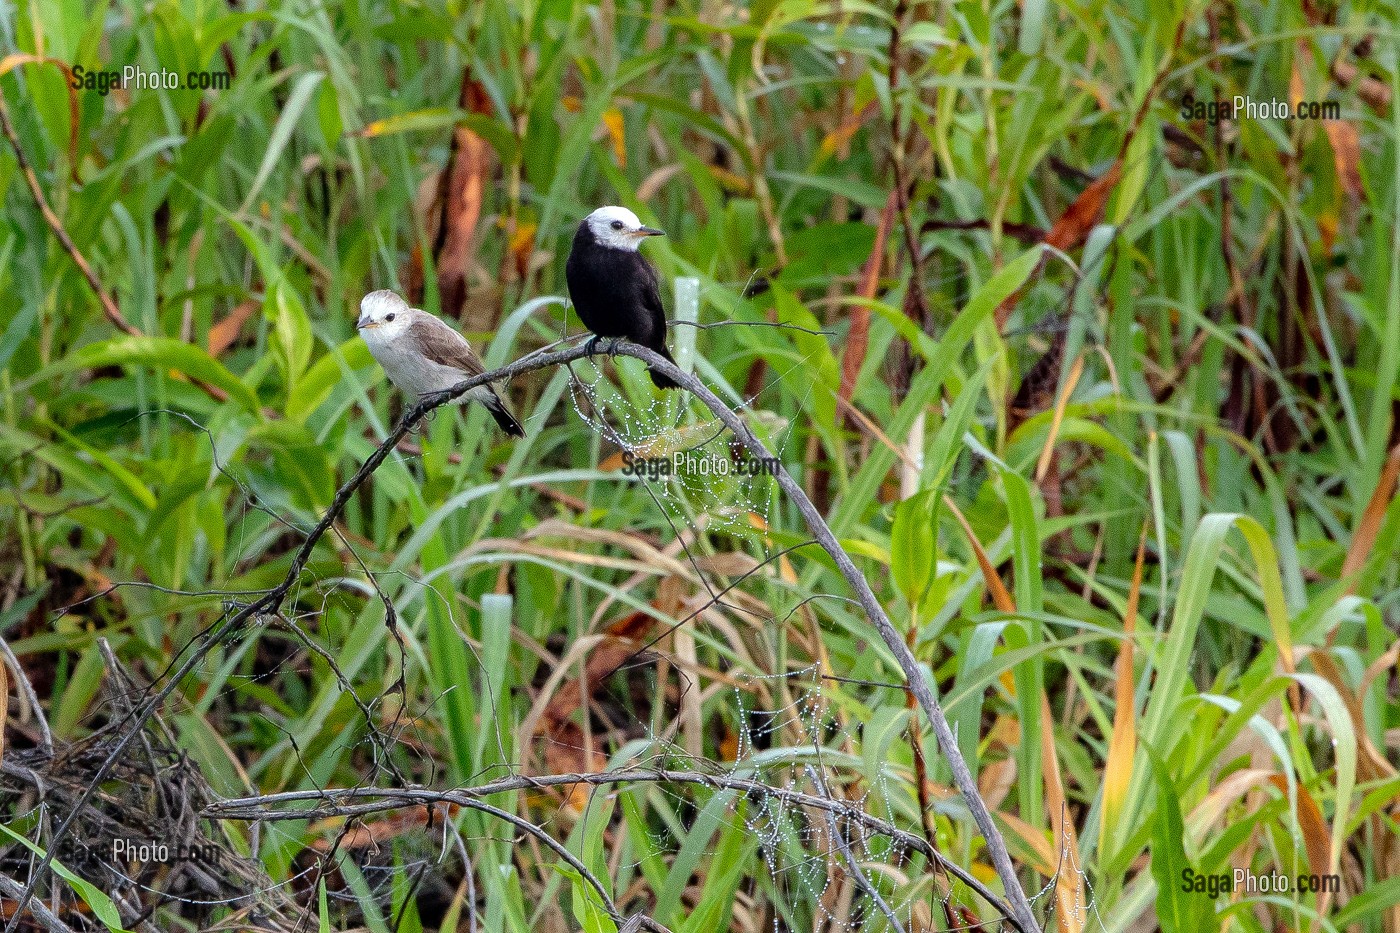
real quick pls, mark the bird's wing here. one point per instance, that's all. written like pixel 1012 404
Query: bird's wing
pixel 649 290
pixel 443 345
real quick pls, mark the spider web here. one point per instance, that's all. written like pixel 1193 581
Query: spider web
pixel 823 867
pixel 820 870
pixel 691 465
pixel 804 743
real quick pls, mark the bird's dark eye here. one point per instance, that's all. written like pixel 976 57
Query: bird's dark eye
pixel 389 317
pixel 617 225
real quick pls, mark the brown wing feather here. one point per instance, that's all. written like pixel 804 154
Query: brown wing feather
pixel 443 345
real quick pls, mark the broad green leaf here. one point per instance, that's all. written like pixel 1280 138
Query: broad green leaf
pixel 162 354
pixel 128 480
pixel 1177 911
pixel 312 390
pixel 912 545
pixel 102 907
pixel 291 334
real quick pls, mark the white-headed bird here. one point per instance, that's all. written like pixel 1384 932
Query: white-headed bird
pixel 421 354
pixel 613 287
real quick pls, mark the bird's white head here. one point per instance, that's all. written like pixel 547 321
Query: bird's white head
pixel 619 228
pixel 383 316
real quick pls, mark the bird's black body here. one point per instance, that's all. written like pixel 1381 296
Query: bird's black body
pixel 615 293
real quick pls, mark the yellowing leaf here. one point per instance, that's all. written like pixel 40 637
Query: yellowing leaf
pixel 431 118
pixel 612 119
pixel 1122 746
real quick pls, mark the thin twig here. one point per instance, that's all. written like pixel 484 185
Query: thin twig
pixel 31 698
pixel 270 602
pixel 559 848
pixel 375 737
pixel 1019 913
pixel 109 305
pixel 380 799
pixel 11 887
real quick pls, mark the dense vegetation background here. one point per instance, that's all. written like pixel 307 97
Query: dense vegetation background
pixel 1103 401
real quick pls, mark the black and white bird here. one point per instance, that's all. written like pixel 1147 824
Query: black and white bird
pixel 613 287
pixel 421 354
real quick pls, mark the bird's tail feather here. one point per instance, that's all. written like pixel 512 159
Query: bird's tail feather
pixel 503 417
pixel 660 379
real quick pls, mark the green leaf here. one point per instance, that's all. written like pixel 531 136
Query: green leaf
pixel 1178 911
pixel 102 907
pixel 322 907
pixel 312 390
pixel 861 491
pixel 947 443
pixel 282 133
pixel 128 480
pixel 695 847
pixel 77 696
pixel 1173 670
pixel 588 907
pixel 726 871
pixel 301 466
pixel 158 353
pixel 912 545
pixel 291 334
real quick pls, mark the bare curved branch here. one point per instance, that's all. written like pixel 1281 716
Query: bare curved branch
pixel 1019 911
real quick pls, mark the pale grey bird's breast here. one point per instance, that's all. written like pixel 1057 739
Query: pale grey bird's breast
pixel 417 375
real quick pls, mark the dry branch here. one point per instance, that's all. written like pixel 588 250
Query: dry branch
pixel 109 304
pixel 269 603
pixel 363 801
pixel 1020 913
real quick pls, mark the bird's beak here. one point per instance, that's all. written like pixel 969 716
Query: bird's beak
pixel 649 231
pixel 364 323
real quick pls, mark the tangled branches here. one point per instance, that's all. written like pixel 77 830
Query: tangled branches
pixel 268 604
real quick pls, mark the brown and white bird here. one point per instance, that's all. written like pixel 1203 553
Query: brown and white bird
pixel 421 354
pixel 613 287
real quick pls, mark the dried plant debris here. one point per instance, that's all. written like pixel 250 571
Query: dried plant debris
pixel 139 838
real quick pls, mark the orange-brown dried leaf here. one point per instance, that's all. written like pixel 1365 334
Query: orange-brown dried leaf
pixel 522 247
pixel 1346 156
pixel 858 337
pixel 468 169
pixel 1069 891
pixel 1370 526
pixel 1316 836
pixel 839 139
pixel 1122 745
pixel 225 332
pixel 1295 76
pixel 1079 218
